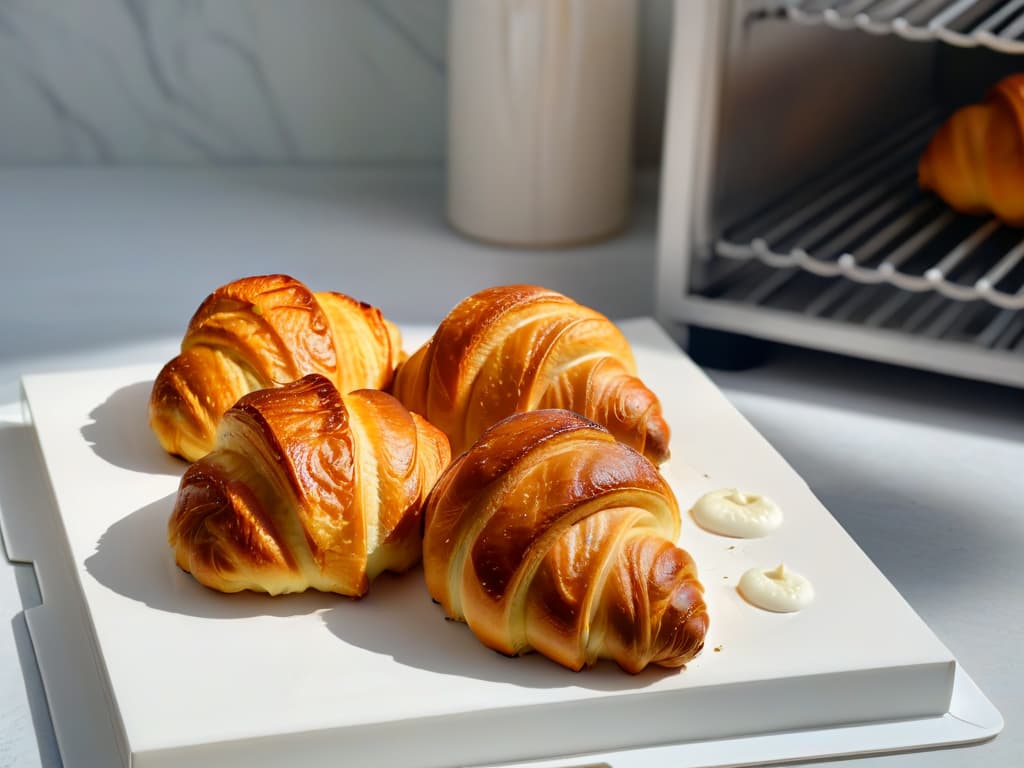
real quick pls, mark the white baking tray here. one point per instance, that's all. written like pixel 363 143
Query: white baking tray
pixel 186 676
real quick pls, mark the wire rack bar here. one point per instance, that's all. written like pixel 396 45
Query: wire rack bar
pixel 995 24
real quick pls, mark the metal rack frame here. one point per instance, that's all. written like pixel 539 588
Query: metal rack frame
pixel 995 24
pixel 882 322
pixel 880 306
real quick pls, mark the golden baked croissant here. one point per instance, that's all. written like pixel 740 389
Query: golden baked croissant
pixel 307 488
pixel 518 348
pixel 975 161
pixel 550 535
pixel 262 332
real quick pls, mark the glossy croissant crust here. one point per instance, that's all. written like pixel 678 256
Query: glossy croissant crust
pixel 975 161
pixel 307 488
pixel 517 348
pixel 261 332
pixel 550 535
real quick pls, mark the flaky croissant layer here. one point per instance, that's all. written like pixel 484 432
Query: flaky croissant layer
pixel 550 535
pixel 261 332
pixel 517 348
pixel 307 488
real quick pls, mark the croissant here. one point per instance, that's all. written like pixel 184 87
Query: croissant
pixel 518 348
pixel 261 332
pixel 307 488
pixel 550 535
pixel 975 161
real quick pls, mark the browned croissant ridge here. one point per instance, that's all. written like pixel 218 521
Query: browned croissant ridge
pixel 975 161
pixel 512 349
pixel 261 332
pixel 307 488
pixel 550 535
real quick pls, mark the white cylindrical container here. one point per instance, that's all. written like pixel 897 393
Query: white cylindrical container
pixel 540 119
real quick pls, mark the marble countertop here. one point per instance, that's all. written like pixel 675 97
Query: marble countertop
pixel 922 470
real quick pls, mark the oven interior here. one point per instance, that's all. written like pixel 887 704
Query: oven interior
pixel 810 207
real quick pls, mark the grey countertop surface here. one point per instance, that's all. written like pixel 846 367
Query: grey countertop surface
pixel 923 471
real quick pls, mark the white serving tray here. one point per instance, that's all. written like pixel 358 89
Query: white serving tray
pixel 179 675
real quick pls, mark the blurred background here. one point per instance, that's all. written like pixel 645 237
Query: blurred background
pixel 249 81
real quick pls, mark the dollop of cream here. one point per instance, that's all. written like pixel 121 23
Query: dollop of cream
pixel 731 512
pixel 779 589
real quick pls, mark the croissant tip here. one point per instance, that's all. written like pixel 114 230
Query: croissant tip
pixel 657 448
pixel 658 457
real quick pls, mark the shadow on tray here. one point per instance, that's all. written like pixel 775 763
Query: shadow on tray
pixel 398 619
pixel 133 559
pixel 120 435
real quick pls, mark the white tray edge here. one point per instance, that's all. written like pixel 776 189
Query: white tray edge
pixel 86 727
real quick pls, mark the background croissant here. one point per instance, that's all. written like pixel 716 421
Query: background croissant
pixel 975 161
pixel 307 489
pixel 518 348
pixel 261 332
pixel 548 534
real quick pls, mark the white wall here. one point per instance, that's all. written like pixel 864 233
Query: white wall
pixel 245 81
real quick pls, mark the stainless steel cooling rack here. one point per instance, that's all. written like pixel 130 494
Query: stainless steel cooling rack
pixel 868 221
